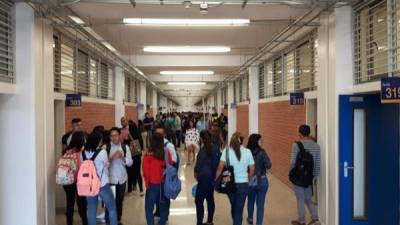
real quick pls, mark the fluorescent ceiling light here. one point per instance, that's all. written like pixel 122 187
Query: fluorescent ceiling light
pixel 189 72
pixel 186 83
pixel 186 22
pixel 110 47
pixel 77 20
pixel 186 49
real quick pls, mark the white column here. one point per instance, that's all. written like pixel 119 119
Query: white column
pixel 163 103
pixel 27 182
pixel 155 106
pixel 231 112
pixel 119 94
pixel 142 100
pixel 335 77
pixel 253 94
pixel 219 102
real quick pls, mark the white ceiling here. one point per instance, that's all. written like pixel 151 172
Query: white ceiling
pixel 106 20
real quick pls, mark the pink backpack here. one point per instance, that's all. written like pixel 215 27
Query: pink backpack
pixel 88 182
pixel 67 168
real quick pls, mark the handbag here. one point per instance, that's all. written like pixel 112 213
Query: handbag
pixel 226 181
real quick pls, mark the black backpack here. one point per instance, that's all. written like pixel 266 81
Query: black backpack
pixel 225 183
pixel 108 149
pixel 302 173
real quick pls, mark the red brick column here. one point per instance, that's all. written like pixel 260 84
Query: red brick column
pixel 278 124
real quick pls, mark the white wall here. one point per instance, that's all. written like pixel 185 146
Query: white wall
pixel 119 94
pixel 253 94
pixel 27 127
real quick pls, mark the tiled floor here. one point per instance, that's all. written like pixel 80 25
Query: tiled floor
pixel 280 205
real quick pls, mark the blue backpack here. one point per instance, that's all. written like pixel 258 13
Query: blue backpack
pixel 172 184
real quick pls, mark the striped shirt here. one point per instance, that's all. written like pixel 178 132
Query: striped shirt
pixel 313 148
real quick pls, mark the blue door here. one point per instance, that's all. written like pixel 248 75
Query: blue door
pixel 368 161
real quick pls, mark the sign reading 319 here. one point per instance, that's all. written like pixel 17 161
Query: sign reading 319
pixel 390 90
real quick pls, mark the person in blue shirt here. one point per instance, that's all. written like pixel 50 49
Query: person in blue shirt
pixel 201 124
pixel 204 172
pixel 242 162
pixel 259 187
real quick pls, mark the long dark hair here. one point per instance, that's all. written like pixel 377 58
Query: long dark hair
pixel 133 129
pixel 235 144
pixel 252 144
pixel 215 136
pixel 205 136
pixel 157 146
pixel 94 140
pixel 77 141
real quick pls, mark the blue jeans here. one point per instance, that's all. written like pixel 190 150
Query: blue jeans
pixel 154 198
pixel 205 191
pixel 108 199
pixel 237 201
pixel 257 196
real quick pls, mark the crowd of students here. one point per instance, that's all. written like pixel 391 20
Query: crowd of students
pixel 118 153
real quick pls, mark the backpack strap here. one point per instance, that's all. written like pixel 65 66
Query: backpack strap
pixel 227 157
pixel 95 155
pixel 300 145
pixel 166 151
pixel 124 149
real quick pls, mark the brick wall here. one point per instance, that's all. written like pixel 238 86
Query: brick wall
pixel 242 121
pixel 278 124
pixel 91 114
pixel 131 113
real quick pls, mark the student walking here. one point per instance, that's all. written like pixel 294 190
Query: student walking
pixel 259 182
pixel 75 147
pixel 99 157
pixel 192 142
pixel 76 125
pixel 305 167
pixel 241 159
pixel 204 172
pixel 134 171
pixel 153 167
pixel 120 157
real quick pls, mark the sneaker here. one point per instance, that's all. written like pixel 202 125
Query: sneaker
pixel 296 222
pixel 314 222
pixel 156 219
pixel 141 194
pixel 249 221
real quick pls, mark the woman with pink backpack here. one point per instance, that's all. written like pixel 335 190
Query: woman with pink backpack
pixel 67 169
pixel 94 185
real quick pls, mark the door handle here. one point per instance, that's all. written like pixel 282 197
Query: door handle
pixel 346 169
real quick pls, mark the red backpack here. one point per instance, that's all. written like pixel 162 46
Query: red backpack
pixel 67 168
pixel 88 183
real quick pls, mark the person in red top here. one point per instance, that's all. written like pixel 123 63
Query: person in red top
pixel 153 167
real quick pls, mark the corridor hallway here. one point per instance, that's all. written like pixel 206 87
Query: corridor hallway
pixel 280 204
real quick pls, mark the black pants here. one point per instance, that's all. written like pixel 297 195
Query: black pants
pixel 178 138
pixel 134 174
pixel 72 194
pixel 119 200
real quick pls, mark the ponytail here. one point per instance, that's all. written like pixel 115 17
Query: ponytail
pixel 235 144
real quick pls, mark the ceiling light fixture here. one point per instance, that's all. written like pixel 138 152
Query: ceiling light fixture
pixel 189 72
pixel 203 8
pixel 187 83
pixel 187 4
pixel 186 22
pixel 77 20
pixel 187 49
